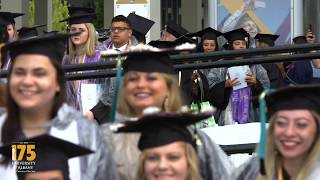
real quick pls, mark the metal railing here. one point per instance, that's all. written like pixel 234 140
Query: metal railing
pixel 239 148
pixel 196 60
pixel 106 68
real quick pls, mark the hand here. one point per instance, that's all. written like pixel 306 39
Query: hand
pixel 89 115
pixel 194 76
pixel 248 5
pixel 311 38
pixel 251 79
pixel 231 82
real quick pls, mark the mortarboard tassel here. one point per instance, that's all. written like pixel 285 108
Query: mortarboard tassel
pixel 263 120
pixel 116 91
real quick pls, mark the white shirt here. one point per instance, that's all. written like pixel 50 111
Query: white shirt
pixel 122 48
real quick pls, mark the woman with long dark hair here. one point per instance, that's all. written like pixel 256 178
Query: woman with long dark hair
pixel 35 106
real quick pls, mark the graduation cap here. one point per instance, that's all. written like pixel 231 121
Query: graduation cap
pixel 300 40
pixel 80 19
pixel 50 32
pixel 140 26
pixel 80 15
pixel 76 10
pixel 7 18
pixel 207 33
pixel 26 32
pixel 148 61
pixel 183 39
pixel 267 38
pixel 175 29
pixel 51 153
pixel 51 45
pixel 162 44
pixel 163 128
pixel 294 97
pixel 238 34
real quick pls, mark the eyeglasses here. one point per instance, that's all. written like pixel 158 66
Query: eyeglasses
pixel 120 29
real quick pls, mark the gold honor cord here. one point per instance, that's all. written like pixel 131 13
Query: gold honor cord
pixel 280 171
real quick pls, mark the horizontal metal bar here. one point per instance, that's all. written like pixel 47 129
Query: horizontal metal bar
pixel 192 65
pixel 249 61
pixel 245 52
pixel 182 58
pixel 239 148
pixel 206 65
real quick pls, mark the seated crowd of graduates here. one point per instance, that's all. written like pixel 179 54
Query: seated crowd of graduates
pixel 150 133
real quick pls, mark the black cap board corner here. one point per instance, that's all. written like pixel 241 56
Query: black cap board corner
pixel 163 128
pixel 50 45
pixel 148 61
pixel 140 25
pixel 175 29
pixel 26 32
pixel 294 97
pixel 184 39
pixel 267 38
pixel 237 34
pixel 162 44
pixel 207 33
pixel 7 18
pixel 77 10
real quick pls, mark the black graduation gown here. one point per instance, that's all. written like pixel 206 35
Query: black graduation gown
pixel 101 112
pixel 219 94
pixel 186 86
pixel 274 75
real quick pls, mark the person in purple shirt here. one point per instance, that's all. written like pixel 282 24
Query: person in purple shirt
pixel 81 48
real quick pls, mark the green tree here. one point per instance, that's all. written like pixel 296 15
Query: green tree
pixel 31 13
pixel 59 12
pixel 99 11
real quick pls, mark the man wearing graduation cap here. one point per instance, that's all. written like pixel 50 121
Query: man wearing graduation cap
pixel 121 35
pixel 236 103
pixel 50 160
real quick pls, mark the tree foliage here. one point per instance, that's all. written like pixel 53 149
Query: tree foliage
pixel 100 11
pixel 59 12
pixel 31 13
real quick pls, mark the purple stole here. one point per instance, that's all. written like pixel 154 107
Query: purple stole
pixel 240 100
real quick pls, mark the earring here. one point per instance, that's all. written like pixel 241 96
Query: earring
pixel 166 104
